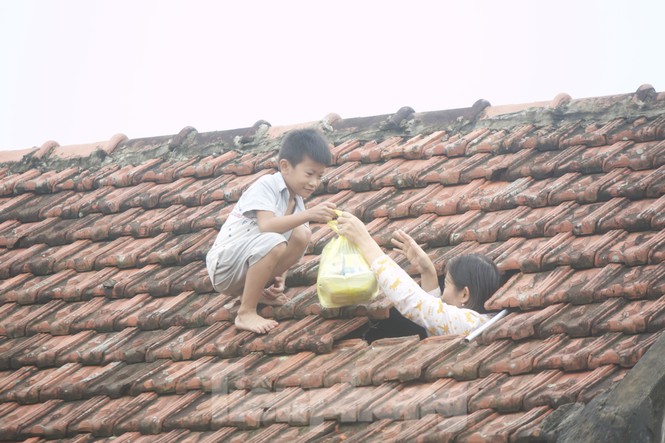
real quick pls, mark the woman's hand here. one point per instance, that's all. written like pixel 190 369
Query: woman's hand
pixel 406 245
pixel 352 228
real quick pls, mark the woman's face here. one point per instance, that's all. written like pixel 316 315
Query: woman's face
pixel 453 296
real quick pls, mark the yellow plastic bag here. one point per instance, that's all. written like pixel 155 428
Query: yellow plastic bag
pixel 344 276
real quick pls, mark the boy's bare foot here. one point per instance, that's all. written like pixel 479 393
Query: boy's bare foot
pixel 254 323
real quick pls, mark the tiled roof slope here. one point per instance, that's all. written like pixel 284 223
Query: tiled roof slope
pixel 110 327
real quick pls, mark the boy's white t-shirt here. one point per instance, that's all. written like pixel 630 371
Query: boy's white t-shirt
pixel 268 193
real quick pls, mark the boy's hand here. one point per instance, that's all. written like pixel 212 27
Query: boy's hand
pixel 405 244
pixel 322 213
pixel 276 289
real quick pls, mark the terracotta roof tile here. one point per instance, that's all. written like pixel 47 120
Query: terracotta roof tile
pixel 507 425
pixel 110 327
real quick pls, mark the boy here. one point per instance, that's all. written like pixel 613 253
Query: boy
pixel 268 230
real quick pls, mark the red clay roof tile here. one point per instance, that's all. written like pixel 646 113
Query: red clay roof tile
pixel 109 324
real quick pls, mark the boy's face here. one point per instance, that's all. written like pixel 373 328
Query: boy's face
pixel 303 178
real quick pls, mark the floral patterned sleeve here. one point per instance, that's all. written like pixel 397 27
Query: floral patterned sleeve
pixel 430 312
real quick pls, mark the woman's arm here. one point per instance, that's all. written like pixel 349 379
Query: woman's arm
pixel 407 246
pixel 410 299
pixel 414 303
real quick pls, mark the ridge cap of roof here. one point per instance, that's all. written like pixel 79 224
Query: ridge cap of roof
pixel 262 136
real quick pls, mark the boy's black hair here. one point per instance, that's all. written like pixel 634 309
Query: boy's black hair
pixel 479 274
pixel 301 142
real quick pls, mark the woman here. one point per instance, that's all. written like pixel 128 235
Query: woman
pixel 469 281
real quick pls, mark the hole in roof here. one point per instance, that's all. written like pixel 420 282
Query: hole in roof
pixel 396 325
pixel 507 275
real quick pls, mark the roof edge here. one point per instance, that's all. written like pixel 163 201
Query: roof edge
pixel 633 411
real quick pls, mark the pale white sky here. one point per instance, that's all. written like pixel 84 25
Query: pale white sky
pixel 80 71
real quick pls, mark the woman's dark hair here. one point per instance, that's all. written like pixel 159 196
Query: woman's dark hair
pixel 479 274
pixel 301 142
